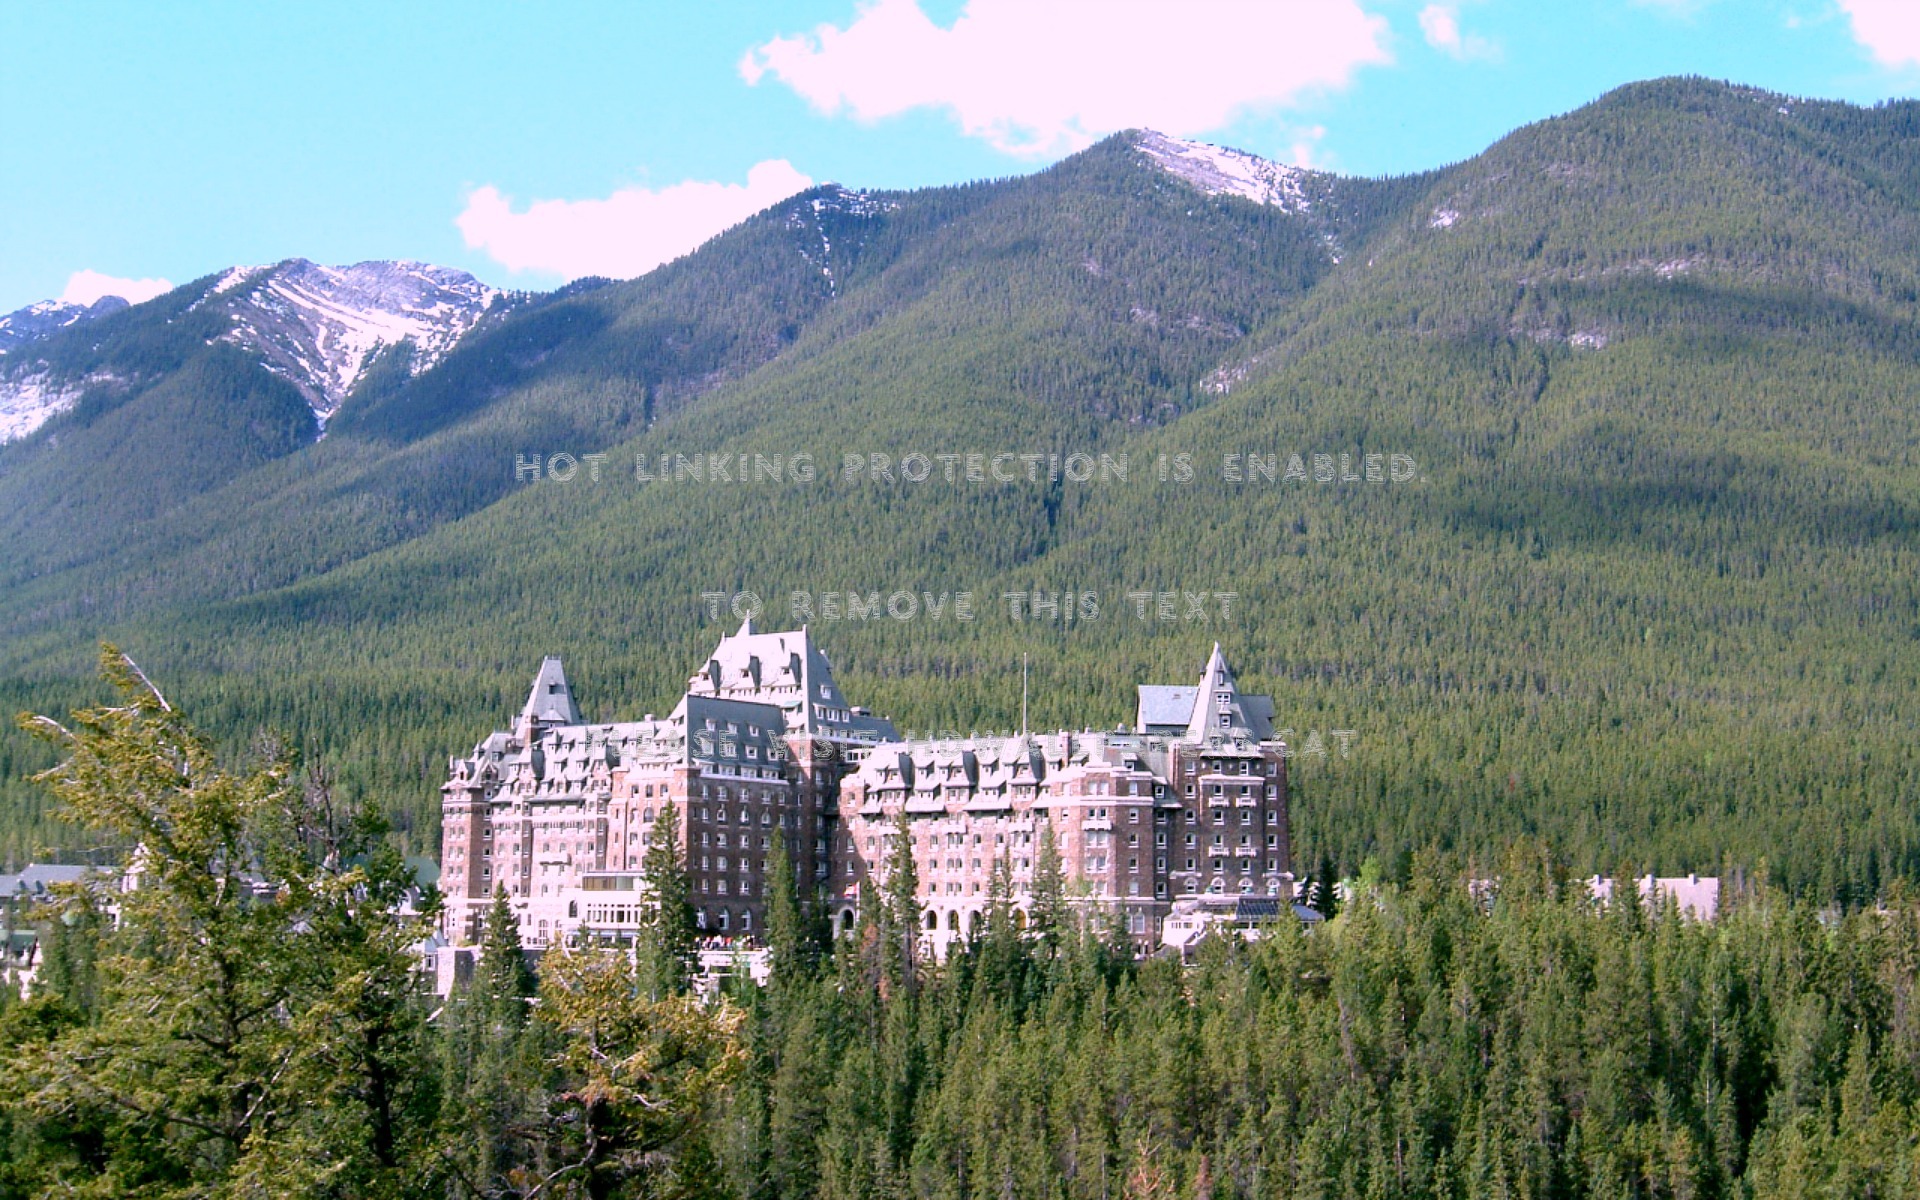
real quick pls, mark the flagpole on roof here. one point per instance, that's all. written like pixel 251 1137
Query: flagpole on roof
pixel 1023 695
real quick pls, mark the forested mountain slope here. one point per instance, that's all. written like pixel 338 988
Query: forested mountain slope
pixel 1650 594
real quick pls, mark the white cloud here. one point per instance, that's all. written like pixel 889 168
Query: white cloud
pixel 1045 78
pixel 1441 25
pixel 1890 29
pixel 1305 149
pixel 629 233
pixel 84 287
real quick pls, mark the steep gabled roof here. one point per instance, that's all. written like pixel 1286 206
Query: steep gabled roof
pixel 551 699
pixel 1220 711
pixel 1192 712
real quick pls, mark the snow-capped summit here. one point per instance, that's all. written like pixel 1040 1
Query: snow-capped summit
pixel 1220 171
pixel 321 327
pixel 36 321
pixel 317 327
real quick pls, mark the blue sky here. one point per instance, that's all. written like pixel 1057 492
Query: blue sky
pixel 531 143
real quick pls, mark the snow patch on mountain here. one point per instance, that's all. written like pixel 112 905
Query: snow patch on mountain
pixel 834 201
pixel 321 327
pixel 852 203
pixel 28 401
pixel 234 277
pixel 1222 171
pixel 36 321
pixel 29 396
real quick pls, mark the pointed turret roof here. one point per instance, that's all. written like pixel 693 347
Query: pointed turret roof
pixel 551 700
pixel 1220 711
pixel 1193 712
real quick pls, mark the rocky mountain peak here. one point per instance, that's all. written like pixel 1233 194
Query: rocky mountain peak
pixel 36 321
pixel 1222 171
pixel 321 327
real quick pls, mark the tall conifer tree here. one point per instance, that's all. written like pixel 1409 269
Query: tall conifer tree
pixel 666 945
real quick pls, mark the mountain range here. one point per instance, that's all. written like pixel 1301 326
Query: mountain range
pixel 1649 593
pixel 319 328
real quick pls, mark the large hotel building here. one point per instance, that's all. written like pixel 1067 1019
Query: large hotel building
pixel 557 811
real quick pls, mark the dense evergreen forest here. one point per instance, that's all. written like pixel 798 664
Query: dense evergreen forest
pixel 252 1026
pixel 1650 597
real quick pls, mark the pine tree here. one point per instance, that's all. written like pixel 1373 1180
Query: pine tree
pixel 665 947
pixel 503 979
pixel 1049 892
pixel 492 1073
pixel 1148 1179
pixel 901 898
pixel 1001 951
pixel 1326 897
pixel 70 953
pixel 647 1074
pixel 257 1016
pixel 789 948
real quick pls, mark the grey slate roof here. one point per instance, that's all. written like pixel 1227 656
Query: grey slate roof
pixel 787 669
pixel 551 699
pixel 1164 708
pixel 38 877
pixel 1193 712
pixel 1220 698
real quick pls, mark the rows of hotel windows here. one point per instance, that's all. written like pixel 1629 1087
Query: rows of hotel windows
pixel 564 834
pixel 615 917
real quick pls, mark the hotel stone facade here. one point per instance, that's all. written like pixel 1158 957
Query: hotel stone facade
pixel 557 811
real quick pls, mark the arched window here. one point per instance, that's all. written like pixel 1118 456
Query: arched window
pixel 723 918
pixel 573 910
pixel 953 921
pixel 846 920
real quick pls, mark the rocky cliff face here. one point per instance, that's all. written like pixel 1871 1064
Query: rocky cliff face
pixel 320 327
